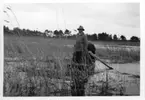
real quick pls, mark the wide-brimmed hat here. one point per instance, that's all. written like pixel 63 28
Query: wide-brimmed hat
pixel 81 28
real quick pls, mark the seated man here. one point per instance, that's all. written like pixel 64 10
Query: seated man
pixel 91 47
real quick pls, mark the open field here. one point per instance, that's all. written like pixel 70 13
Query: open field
pixel 35 66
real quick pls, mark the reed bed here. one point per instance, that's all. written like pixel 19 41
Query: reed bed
pixel 28 73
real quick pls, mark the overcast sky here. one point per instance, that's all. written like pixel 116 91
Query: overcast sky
pixel 113 18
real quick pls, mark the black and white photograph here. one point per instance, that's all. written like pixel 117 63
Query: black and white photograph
pixel 71 49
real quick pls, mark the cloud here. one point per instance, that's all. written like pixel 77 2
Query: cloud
pixel 123 18
pixel 126 15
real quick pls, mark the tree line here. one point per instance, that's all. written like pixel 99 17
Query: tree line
pixel 67 33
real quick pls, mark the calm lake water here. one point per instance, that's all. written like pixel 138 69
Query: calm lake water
pixel 132 68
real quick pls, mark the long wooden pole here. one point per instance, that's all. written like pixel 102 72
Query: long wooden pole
pixel 100 60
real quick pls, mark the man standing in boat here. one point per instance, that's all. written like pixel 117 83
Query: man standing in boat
pixel 82 63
